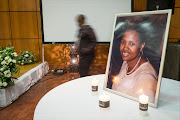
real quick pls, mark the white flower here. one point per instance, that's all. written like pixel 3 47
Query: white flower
pixel 26 55
pixel 8 48
pixel 22 63
pixel 1 74
pixel 15 54
pixel 22 60
pixel 3 62
pixel 4 84
pixel 4 66
pixel 7 73
pixel 14 61
pixel 6 58
pixel 30 61
pixel 9 60
pixel 27 52
pixel 2 69
pixel 1 57
pixel 1 83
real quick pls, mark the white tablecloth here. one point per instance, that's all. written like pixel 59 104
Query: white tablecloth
pixel 74 101
pixel 22 84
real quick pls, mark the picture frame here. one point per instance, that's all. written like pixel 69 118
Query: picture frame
pixel 136 54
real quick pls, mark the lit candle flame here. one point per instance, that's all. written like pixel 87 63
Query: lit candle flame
pixel 140 90
pixel 73 61
pixel 115 79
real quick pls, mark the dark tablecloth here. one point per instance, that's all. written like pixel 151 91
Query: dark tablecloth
pixel 172 61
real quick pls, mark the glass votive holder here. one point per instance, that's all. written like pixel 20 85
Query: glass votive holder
pixel 94 84
pixel 104 101
pixel 143 105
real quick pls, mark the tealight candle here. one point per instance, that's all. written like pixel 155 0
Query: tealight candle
pixel 94 85
pixel 104 101
pixel 143 104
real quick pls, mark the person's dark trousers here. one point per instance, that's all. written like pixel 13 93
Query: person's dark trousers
pixel 84 64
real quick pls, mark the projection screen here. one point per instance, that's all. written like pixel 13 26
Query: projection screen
pixel 58 18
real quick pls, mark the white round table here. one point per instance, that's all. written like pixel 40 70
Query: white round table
pixel 74 100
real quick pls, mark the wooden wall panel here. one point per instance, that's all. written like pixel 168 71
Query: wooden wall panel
pixel 140 5
pixel 38 5
pixel 59 54
pixel 40 46
pixel 39 24
pixel 101 54
pixel 4 5
pixel 5 30
pixel 22 5
pixel 56 54
pixel 177 3
pixel 174 33
pixel 24 25
pixel 173 40
pixel 175 18
pixel 28 44
pixel 39 53
pixel 5 43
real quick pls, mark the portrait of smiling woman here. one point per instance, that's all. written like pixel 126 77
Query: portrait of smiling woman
pixel 136 55
pixel 136 72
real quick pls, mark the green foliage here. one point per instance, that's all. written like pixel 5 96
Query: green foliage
pixel 8 66
pixel 26 57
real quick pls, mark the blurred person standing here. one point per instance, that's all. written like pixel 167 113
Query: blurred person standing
pixel 85 45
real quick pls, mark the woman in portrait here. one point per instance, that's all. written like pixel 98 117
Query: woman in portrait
pixel 136 75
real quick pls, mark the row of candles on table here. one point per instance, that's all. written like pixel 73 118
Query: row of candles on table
pixel 104 100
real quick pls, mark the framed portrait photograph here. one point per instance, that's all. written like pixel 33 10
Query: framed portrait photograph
pixel 137 53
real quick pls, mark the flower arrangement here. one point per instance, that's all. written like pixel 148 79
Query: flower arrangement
pixel 8 66
pixel 26 57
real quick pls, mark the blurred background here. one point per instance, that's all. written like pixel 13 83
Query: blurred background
pixel 20 26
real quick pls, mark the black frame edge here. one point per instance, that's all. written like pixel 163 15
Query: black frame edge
pixel 42 27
